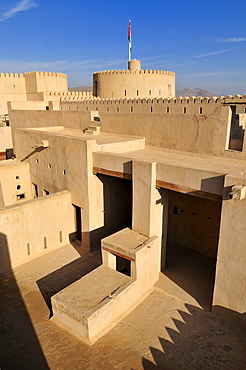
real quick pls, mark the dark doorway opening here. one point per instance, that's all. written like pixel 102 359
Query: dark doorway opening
pixel 236 131
pixel 78 223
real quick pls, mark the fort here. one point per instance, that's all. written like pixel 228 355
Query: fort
pixel 151 181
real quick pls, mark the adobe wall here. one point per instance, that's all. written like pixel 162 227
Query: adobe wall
pixel 15 181
pixel 193 133
pixel 34 227
pixel 12 87
pixel 133 84
pixel 5 138
pixel 230 282
pixel 45 81
pixel 12 83
pixel 65 165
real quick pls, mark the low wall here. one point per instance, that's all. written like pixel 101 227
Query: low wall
pixel 193 133
pixel 5 138
pixel 34 227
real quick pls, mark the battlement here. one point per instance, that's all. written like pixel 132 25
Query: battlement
pixel 51 74
pixel 81 94
pixel 75 96
pixel 134 72
pixel 16 75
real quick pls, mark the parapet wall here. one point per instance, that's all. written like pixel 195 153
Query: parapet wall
pixel 12 83
pixel 180 105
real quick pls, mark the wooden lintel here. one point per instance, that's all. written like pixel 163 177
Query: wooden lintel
pixel 188 191
pixel 103 171
pixel 119 254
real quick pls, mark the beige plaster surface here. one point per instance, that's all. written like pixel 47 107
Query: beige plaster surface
pixel 5 138
pixel 14 180
pixel 125 241
pixel 103 140
pixel 163 332
pixel 84 295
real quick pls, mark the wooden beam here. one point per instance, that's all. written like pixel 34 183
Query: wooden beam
pixel 103 171
pixel 188 191
pixel 119 254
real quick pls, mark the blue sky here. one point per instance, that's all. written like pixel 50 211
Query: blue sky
pixel 204 41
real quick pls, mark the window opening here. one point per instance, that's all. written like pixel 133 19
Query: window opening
pixel 78 223
pixel 20 196
pixel 123 265
pixel 28 249
pixel 35 190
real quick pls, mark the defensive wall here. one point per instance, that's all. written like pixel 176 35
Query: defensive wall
pixel 176 105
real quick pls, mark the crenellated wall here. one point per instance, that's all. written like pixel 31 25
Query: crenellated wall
pixel 180 105
pixel 32 86
pixel 45 81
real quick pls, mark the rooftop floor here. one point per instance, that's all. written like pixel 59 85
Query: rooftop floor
pixel 164 332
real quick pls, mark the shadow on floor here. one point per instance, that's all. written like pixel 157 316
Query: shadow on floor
pixel 67 275
pixel 201 340
pixel 20 347
pixel 192 272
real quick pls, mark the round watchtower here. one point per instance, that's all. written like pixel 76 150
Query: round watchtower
pixel 134 83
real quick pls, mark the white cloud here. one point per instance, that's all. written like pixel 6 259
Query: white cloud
pixel 213 53
pixel 21 6
pixel 234 39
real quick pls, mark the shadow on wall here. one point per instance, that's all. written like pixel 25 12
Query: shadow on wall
pixel 20 348
pixel 67 275
pixel 201 341
pixel 117 196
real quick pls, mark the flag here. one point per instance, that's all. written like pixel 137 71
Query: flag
pixel 130 38
pixel 130 33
